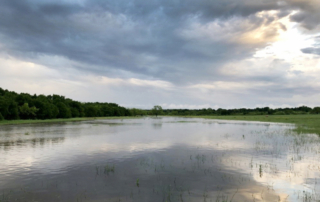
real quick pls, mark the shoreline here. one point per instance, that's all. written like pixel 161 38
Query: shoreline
pixel 35 121
pixel 304 123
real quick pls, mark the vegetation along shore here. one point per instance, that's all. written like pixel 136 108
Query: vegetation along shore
pixel 306 123
pixel 24 108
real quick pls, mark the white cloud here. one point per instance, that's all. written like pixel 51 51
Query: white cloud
pixel 130 82
pixel 262 27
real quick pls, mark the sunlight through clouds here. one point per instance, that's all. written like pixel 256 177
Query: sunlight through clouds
pixel 196 53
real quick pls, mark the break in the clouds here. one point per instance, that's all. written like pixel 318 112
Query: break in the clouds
pixel 179 54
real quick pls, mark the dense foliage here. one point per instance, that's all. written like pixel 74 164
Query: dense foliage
pixel 157 110
pixel 26 106
pixel 243 111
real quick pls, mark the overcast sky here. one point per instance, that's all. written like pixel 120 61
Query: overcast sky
pixel 173 53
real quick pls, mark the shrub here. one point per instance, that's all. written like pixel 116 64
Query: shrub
pixel 279 113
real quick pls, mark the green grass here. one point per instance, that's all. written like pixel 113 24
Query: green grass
pixel 16 122
pixel 304 123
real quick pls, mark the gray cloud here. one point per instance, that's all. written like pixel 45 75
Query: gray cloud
pixel 308 15
pixel 182 42
pixel 311 50
pixel 135 36
pixel 315 49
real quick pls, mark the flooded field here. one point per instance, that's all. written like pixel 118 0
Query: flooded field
pixel 158 159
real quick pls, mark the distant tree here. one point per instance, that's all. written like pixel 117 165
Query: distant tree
pixel 91 111
pixel 122 111
pixel 64 111
pixel 43 109
pixel 136 112
pixel 279 113
pixel 24 98
pixel 224 112
pixel 74 112
pixel 4 105
pixel 57 99
pixel 210 111
pixel 2 92
pixel 12 106
pixel 106 110
pixel 76 109
pixel 116 111
pixel 27 112
pixel 13 110
pixel 157 110
pixel 315 110
pixel 54 110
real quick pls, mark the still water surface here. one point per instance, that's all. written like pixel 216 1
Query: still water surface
pixel 158 159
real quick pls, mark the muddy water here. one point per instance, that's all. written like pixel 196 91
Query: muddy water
pixel 163 159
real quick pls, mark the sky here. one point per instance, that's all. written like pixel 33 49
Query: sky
pixel 177 54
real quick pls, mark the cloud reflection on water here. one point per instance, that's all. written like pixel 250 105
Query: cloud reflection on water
pixel 205 156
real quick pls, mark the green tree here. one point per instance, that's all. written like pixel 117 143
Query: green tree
pixel 64 111
pixel 116 111
pixel 2 92
pixel 76 109
pixel 24 98
pixel 74 112
pixel 134 112
pixel 44 110
pixel 106 110
pixel 91 111
pixel 315 110
pixel 54 110
pixel 13 110
pixel 27 112
pixel 4 105
pixel 1 117
pixel 157 110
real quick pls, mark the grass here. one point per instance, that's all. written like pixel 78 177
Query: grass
pixel 31 121
pixel 304 123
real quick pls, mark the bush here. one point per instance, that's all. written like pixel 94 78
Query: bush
pixel 1 117
pixel 279 113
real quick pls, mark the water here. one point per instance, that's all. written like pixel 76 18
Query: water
pixel 158 159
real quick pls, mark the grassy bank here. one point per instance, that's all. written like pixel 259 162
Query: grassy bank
pixel 16 122
pixel 304 123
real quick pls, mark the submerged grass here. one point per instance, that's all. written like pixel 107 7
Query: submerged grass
pixel 304 123
pixel 16 122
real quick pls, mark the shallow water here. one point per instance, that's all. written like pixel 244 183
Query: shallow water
pixel 158 159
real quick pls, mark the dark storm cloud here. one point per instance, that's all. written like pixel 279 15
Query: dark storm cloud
pixel 136 36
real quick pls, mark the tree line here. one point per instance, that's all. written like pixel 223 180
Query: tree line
pixel 25 106
pixel 242 111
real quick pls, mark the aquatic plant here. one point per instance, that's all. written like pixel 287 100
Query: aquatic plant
pixel 108 169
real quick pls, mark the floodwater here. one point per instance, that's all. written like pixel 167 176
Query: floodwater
pixel 158 159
